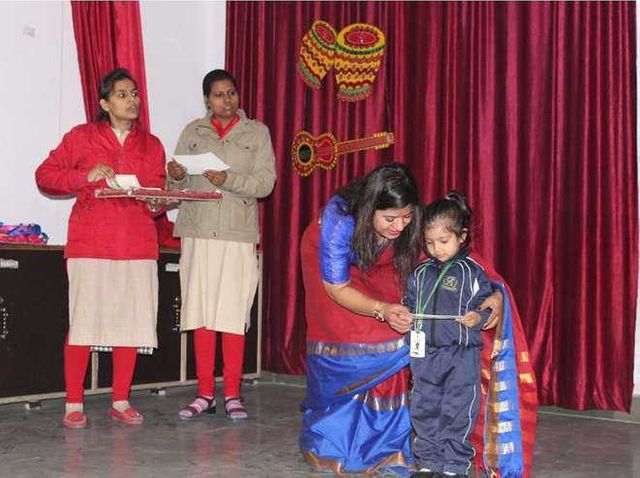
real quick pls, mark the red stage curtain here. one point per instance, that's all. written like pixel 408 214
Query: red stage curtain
pixel 527 107
pixel 109 35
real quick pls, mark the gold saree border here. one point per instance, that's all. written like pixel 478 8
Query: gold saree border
pixel 396 459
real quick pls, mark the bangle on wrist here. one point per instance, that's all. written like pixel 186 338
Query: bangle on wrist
pixel 377 312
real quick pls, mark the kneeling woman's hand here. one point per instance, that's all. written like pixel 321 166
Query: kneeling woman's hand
pixel 398 317
pixel 495 302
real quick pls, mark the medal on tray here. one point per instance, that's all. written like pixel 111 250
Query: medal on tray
pixel 127 186
pixel 151 193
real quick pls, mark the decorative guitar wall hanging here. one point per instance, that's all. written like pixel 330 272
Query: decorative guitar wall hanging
pixel 309 152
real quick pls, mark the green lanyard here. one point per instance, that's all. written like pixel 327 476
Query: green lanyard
pixel 419 304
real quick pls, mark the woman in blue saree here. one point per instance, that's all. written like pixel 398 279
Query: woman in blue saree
pixel 354 264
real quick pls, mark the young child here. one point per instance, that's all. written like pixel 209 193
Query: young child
pixel 443 293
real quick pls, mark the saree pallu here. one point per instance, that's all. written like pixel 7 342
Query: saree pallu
pixel 356 414
pixel 505 432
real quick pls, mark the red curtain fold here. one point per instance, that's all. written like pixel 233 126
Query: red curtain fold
pixel 528 107
pixel 109 35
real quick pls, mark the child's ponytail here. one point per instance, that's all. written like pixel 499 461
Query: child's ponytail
pixel 454 208
pixel 461 201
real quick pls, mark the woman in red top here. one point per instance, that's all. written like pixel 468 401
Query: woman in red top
pixel 112 245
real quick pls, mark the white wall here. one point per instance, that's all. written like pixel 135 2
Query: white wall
pixel 40 99
pixel 41 93
pixel 182 42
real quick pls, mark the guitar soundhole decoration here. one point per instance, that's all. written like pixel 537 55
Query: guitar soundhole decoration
pixel 305 153
pixel 309 152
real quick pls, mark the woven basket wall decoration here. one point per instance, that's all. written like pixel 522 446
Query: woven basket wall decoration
pixel 317 53
pixel 359 52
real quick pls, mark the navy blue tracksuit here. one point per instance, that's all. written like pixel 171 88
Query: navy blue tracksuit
pixel 446 381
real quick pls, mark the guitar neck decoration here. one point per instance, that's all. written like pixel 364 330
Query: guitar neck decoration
pixel 309 152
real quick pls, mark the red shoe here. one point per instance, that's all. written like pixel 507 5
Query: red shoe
pixel 130 416
pixel 75 420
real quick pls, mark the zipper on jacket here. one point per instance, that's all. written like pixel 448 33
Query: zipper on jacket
pixel 432 340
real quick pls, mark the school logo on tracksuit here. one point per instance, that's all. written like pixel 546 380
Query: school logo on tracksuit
pixel 450 283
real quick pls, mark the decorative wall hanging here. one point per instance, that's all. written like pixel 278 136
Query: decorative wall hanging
pixel 309 152
pixel 359 51
pixel 317 53
pixel 356 53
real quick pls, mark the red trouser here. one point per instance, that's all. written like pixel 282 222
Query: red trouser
pixel 232 354
pixel 76 359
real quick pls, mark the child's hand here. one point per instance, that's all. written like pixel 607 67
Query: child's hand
pixel 470 319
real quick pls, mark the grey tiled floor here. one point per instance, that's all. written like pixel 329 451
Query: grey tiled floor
pixel 34 444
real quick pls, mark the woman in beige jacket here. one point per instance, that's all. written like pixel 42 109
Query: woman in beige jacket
pixel 218 265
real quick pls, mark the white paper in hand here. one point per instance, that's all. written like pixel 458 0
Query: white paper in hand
pixel 123 181
pixel 199 163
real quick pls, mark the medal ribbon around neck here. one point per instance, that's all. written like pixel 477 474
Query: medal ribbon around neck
pixel 420 306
